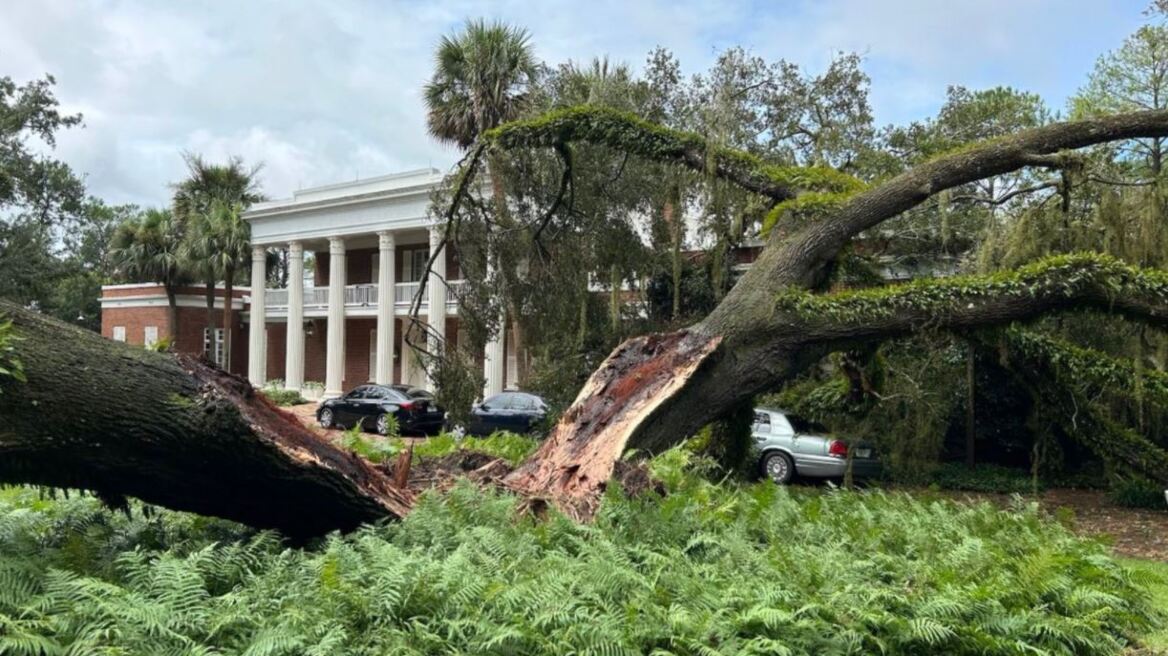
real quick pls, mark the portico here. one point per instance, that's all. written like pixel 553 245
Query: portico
pixel 356 260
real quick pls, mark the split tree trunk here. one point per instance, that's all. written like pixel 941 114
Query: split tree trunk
pixel 120 420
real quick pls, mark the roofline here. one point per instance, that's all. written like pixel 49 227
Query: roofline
pixel 380 178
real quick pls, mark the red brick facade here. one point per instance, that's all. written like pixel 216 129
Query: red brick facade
pixel 149 308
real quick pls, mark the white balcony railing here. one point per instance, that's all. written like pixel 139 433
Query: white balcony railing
pixel 359 296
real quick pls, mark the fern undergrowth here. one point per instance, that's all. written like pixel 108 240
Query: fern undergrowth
pixel 708 569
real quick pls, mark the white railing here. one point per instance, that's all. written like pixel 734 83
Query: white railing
pixel 404 292
pixel 358 296
pixel 361 295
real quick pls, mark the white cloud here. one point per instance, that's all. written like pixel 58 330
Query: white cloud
pixel 323 91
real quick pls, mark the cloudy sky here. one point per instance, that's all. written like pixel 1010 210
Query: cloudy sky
pixel 330 90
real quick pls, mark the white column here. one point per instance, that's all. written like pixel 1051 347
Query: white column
pixel 437 288
pixel 335 359
pixel 386 277
pixel 493 362
pixel 257 346
pixel 294 344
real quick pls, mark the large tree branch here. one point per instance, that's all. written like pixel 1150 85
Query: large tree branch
pixel 630 134
pixel 1087 371
pixel 1064 377
pixel 800 258
pixel 1059 283
pixel 99 415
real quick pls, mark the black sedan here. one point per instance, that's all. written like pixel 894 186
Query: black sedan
pixel 367 405
pixel 518 412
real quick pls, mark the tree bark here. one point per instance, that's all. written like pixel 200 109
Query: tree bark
pixel 119 420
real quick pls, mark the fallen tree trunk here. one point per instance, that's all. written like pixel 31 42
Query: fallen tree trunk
pixel 173 431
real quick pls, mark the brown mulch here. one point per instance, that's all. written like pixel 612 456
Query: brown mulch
pixel 1132 532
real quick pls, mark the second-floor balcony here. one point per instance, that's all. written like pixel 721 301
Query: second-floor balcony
pixel 360 298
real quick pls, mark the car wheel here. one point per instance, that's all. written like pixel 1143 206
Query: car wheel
pixel 778 467
pixel 326 418
pixel 382 424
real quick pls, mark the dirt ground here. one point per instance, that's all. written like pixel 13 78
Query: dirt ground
pixel 1133 533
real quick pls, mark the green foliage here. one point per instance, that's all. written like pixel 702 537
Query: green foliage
pixel 1138 493
pixel 982 478
pixel 375 449
pixel 162 345
pixel 481 78
pixel 282 397
pixel 458 381
pixel 10 365
pixel 805 205
pixel 1153 574
pixel 500 444
pixel 632 134
pixel 1062 275
pixel 710 569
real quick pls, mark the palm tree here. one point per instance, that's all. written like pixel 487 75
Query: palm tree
pixel 206 184
pixel 148 248
pixel 482 77
pixel 220 239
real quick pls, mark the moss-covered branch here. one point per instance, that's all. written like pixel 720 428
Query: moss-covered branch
pixel 629 133
pixel 1087 370
pixel 1063 378
pixel 1064 282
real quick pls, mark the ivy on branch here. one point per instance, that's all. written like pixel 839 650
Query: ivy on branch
pixel 631 134
pixel 1074 280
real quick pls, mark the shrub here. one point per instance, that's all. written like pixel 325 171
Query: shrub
pixel 283 397
pixel 1137 493
pixel 709 569
pixel 274 390
pixel 983 478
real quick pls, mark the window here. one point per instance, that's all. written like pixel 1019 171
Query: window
pixel 523 402
pixel 806 426
pixel 213 345
pixel 119 333
pixel 762 422
pixel 499 402
pixel 414 263
pixel 150 336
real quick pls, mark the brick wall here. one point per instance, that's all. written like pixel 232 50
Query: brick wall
pixel 191 320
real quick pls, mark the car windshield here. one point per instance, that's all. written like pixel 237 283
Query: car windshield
pixel 418 393
pixel 804 425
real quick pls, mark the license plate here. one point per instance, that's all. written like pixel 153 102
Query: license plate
pixel 863 453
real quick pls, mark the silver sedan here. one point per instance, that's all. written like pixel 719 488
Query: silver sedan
pixel 791 445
